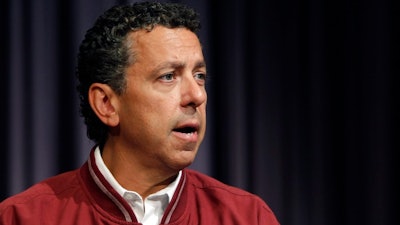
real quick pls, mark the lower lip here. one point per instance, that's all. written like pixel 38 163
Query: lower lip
pixel 192 137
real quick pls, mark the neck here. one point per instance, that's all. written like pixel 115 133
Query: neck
pixel 129 173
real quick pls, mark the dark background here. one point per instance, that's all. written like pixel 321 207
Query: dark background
pixel 301 111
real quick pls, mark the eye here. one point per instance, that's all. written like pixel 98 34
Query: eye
pixel 201 77
pixel 167 77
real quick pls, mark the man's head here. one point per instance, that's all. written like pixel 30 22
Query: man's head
pixel 106 52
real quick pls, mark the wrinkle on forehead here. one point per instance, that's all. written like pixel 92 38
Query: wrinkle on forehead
pixel 179 39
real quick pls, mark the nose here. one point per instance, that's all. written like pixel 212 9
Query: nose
pixel 193 92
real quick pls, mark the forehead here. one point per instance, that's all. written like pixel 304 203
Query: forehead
pixel 162 49
pixel 161 38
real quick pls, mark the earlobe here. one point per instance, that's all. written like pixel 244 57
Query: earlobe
pixel 102 99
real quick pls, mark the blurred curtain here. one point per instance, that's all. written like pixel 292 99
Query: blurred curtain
pixel 304 106
pixel 301 104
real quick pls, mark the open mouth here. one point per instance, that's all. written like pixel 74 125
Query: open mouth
pixel 187 132
pixel 186 129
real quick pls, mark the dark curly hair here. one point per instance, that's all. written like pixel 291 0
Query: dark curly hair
pixel 104 53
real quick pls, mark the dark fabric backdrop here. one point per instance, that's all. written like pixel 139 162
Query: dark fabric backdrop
pixel 301 104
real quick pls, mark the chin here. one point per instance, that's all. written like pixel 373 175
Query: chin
pixel 183 157
pixel 183 161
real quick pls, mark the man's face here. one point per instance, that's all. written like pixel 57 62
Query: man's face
pixel 163 111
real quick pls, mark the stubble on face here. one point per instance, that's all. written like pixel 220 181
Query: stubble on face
pixel 156 112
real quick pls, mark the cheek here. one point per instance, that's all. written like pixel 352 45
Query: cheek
pixel 202 109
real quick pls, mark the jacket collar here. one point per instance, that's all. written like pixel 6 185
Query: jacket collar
pixel 108 201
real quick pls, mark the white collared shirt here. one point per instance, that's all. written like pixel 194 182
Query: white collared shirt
pixel 148 211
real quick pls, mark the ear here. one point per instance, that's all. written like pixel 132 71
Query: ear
pixel 103 101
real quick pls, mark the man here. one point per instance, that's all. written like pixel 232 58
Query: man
pixel 142 80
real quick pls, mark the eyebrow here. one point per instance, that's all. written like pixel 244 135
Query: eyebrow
pixel 199 64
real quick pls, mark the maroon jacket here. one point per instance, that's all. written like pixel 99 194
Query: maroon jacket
pixel 83 196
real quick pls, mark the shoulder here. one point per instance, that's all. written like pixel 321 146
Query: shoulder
pixel 226 201
pixel 203 181
pixel 45 191
pixel 212 187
